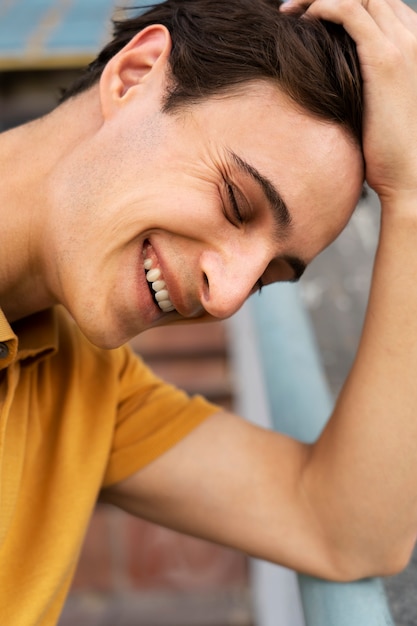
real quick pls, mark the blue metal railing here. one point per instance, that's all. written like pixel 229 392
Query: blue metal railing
pixel 273 334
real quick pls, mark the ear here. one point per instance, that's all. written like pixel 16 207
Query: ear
pixel 141 64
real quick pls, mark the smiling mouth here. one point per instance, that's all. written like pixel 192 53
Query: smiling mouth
pixel 157 286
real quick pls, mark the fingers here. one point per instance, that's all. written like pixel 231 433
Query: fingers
pixel 376 26
pixel 405 14
pixel 385 33
pixel 366 21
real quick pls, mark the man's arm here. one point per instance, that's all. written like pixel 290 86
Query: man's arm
pixel 234 483
pixel 368 452
pixel 345 507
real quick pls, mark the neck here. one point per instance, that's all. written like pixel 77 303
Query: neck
pixel 28 156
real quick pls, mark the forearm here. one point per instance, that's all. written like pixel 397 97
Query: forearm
pixel 362 474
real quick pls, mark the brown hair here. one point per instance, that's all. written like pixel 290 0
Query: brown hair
pixel 218 45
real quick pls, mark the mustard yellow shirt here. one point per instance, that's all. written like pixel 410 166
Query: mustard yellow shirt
pixel 73 419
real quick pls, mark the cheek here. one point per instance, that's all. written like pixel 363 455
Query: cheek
pixel 185 211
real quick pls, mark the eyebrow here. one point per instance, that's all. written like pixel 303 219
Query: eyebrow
pixel 280 209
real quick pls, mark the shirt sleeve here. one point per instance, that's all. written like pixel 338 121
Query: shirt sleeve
pixel 152 416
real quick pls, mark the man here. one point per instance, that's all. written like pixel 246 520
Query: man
pixel 203 156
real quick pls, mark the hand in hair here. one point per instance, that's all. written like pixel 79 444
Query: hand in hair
pixel 385 32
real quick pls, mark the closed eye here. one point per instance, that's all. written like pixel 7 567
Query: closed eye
pixel 233 203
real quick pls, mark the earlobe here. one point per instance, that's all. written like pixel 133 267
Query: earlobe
pixel 143 61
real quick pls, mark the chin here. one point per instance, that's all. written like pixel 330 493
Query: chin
pixel 108 337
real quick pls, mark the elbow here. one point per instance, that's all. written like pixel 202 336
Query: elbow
pixel 399 558
pixel 396 559
pixel 354 564
pixel 391 566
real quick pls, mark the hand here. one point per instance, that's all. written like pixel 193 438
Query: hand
pixel 385 32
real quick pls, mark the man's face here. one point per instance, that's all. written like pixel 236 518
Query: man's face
pixel 214 201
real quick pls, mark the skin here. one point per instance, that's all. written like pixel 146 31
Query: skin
pixel 346 505
pixel 136 181
pixel 80 212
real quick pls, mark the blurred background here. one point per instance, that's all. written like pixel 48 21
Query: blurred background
pixel 132 572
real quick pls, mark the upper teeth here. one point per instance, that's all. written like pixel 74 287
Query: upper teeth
pixel 154 276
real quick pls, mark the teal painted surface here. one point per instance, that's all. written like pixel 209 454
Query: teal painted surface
pixel 37 31
pixel 18 22
pixel 82 27
pixel 300 405
pixel 361 603
pixel 297 391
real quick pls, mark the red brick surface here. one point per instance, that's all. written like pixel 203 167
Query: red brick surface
pixel 165 559
pixel 191 339
pixel 122 553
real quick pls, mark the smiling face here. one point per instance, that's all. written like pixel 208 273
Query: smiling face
pixel 231 194
pixel 157 217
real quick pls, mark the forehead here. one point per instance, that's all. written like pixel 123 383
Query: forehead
pixel 316 167
pixel 265 120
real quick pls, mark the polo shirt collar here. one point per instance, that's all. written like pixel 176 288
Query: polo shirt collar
pixel 31 338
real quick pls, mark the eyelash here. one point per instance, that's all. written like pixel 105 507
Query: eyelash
pixel 235 206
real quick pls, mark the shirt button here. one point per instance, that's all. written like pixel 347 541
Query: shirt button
pixel 4 350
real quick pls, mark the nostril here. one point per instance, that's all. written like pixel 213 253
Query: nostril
pixel 205 288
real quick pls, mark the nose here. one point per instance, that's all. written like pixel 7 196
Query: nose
pixel 229 280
